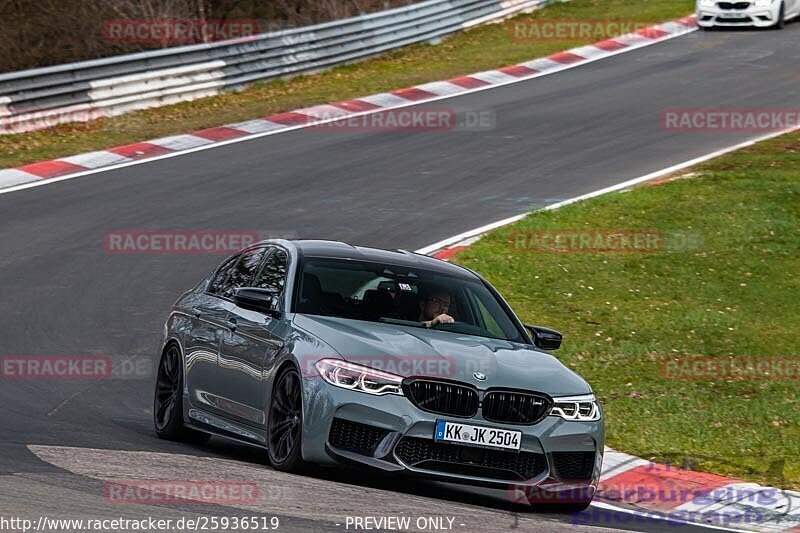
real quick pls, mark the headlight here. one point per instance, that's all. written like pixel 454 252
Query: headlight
pixel 707 3
pixel 582 408
pixel 763 3
pixel 358 377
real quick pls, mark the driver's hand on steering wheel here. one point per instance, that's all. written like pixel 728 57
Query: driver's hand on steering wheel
pixel 439 319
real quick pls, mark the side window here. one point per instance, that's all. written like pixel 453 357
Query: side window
pixel 489 322
pixel 273 275
pixel 216 285
pixel 243 272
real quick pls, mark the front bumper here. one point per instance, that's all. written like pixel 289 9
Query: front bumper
pixel 760 17
pixel 391 434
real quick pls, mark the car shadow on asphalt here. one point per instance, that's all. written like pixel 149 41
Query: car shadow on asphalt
pixel 493 499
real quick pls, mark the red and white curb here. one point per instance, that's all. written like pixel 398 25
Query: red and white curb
pixel 680 494
pixel 70 167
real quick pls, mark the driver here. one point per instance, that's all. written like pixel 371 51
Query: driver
pixel 433 309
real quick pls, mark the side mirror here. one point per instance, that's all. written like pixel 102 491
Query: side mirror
pixel 255 299
pixel 545 338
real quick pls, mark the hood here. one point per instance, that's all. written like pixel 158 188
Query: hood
pixel 410 351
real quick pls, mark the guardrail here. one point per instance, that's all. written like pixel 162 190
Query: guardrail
pixel 39 98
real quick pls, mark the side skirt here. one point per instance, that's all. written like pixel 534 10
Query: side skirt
pixel 215 425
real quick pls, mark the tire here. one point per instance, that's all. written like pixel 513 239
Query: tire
pixel 781 22
pixel 285 423
pixel 168 400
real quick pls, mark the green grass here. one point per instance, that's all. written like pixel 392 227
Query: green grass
pixel 481 48
pixel 737 295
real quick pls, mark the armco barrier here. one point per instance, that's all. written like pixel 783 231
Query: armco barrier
pixel 33 99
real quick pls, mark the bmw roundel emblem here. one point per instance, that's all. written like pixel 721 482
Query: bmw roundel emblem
pixel 479 376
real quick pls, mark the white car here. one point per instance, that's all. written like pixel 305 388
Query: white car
pixel 759 13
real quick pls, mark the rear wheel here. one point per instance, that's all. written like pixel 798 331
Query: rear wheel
pixel 285 425
pixel 168 401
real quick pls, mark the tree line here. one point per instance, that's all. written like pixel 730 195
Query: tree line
pixel 38 33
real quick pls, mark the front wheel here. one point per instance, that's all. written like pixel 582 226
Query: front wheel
pixel 285 423
pixel 781 22
pixel 168 401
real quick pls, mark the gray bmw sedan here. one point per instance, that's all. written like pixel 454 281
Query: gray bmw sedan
pixel 325 353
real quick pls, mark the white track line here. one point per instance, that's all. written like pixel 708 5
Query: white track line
pixel 619 186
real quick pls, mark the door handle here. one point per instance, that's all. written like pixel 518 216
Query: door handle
pixel 196 311
pixel 231 324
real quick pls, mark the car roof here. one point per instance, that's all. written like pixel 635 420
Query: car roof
pixel 403 258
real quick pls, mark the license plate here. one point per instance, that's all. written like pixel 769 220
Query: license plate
pixel 736 15
pixel 477 435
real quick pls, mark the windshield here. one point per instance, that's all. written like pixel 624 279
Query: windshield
pixel 400 295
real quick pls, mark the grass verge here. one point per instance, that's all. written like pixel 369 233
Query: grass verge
pixel 482 48
pixel 732 294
